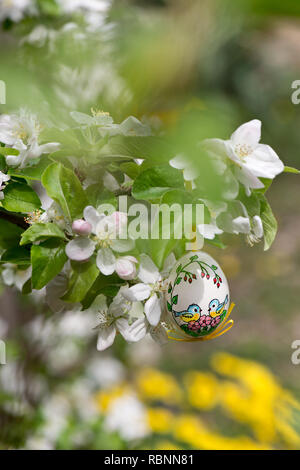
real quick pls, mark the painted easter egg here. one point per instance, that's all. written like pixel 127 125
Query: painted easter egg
pixel 197 297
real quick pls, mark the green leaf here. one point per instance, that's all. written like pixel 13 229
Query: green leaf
pixel 82 278
pixel 216 242
pixel 97 195
pixel 19 197
pixel 269 222
pixel 9 234
pixel 290 169
pixel 267 183
pixel 178 280
pixel 107 285
pixel 27 287
pixel 16 255
pixel 2 164
pixel 66 137
pixel 8 151
pixel 175 299
pixel 153 148
pixel 251 202
pixel 65 188
pixel 178 269
pixel 47 261
pixel 131 169
pixel 40 231
pixel 169 307
pixel 152 183
pixel 33 172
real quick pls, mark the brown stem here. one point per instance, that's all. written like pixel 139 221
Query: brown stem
pixel 14 219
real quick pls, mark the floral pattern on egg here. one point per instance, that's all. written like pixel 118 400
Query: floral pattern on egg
pixel 198 295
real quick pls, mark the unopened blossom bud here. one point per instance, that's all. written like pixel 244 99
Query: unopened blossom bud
pixel 81 227
pixel 125 267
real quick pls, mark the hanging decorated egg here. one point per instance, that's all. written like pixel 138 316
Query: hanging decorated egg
pixel 197 296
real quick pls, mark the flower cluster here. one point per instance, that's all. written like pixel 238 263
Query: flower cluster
pixel 72 229
pixel 204 322
pixel 242 161
pixel 60 179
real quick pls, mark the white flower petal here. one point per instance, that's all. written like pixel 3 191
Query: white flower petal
pixel 209 231
pixel 132 126
pixel 257 226
pixel 80 249
pixel 98 305
pixel 247 178
pixel 92 216
pixel 148 272
pixel 49 148
pixel 106 261
pixel 153 310
pixel 247 134
pixel 134 332
pixel 190 173
pixel 137 293
pixel 241 225
pixel 179 162
pixel 106 337
pixel 13 160
pixel 137 310
pixel 264 162
pixel 3 178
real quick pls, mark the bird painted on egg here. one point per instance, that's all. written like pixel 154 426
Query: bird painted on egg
pixel 192 313
pixel 216 308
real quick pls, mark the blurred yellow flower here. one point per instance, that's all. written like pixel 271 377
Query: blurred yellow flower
pixel 256 399
pixel 202 389
pixel 191 431
pixel 160 420
pixel 155 385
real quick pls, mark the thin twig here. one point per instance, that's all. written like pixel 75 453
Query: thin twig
pixel 13 218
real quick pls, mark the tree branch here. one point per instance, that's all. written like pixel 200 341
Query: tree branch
pixel 13 218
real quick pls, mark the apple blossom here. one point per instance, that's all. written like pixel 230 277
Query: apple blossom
pixel 122 315
pixel 21 132
pixel 151 288
pixel 251 159
pixel 105 230
pixel 16 9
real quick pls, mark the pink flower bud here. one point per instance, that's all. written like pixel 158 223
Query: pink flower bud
pixel 81 227
pixel 125 267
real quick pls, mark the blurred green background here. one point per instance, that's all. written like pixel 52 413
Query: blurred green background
pixel 198 69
